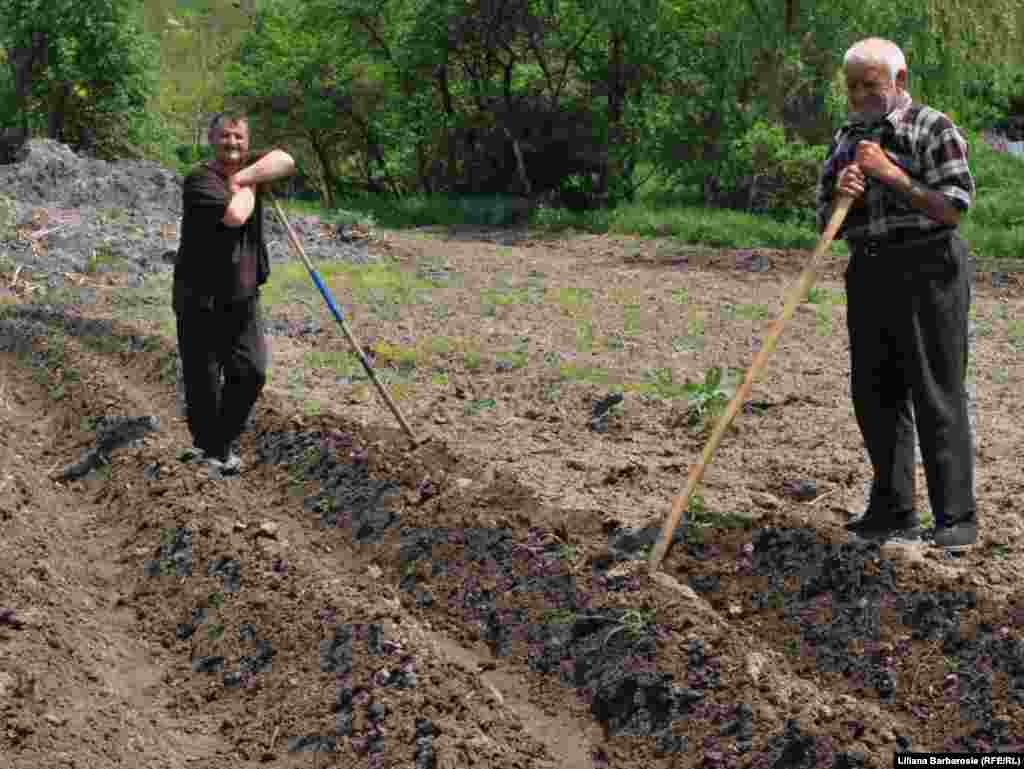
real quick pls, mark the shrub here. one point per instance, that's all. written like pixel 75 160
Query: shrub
pixel 766 173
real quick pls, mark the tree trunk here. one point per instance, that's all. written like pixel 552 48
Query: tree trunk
pixel 26 63
pixel 520 165
pixel 330 181
pixel 792 14
pixel 59 95
pixel 451 145
pixel 422 168
pixel 611 163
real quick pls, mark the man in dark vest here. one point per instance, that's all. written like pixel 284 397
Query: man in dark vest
pixel 908 296
pixel 222 262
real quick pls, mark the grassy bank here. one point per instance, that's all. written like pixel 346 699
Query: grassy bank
pixel 994 228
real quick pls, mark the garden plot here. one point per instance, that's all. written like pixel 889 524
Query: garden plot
pixel 483 600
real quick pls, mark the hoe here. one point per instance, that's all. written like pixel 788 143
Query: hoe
pixel 326 293
pixel 796 295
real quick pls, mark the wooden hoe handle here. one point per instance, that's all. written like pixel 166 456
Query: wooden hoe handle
pixel 796 295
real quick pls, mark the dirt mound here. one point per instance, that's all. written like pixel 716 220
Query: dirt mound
pixel 347 601
pixel 47 172
pixel 61 212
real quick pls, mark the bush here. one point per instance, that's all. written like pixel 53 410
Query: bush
pixel 765 173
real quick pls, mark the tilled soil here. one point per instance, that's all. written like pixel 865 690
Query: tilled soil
pixel 483 600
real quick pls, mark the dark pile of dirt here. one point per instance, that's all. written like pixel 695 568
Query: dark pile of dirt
pixel 61 212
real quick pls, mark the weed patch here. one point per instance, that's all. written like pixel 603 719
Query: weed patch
pixel 591 374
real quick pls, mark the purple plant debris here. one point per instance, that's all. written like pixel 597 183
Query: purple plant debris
pixel 328 616
pixel 360 696
pixel 427 489
pixel 753 262
pixel 361 456
pixel 279 567
pixel 336 439
pixel 7 617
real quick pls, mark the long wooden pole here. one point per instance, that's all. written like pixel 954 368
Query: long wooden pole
pixel 796 295
pixel 326 293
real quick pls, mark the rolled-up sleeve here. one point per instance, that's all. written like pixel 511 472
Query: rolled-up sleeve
pixel 945 164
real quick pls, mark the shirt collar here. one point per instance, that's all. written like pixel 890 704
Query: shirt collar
pixel 903 102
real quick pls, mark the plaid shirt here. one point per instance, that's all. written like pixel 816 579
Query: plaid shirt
pixel 926 144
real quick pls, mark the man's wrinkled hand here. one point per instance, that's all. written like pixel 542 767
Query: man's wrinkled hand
pixel 234 187
pixel 851 181
pixel 873 161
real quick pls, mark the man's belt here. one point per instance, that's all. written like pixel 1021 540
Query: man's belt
pixel 900 242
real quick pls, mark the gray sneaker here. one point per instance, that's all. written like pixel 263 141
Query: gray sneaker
pixel 956 537
pixel 897 528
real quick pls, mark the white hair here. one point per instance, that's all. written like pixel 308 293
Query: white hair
pixel 876 51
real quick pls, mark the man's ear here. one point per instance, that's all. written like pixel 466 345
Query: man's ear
pixel 901 79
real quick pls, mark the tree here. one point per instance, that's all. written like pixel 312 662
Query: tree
pixel 82 70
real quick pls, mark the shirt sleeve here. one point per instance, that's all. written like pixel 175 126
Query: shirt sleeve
pixel 826 186
pixel 945 164
pixel 205 198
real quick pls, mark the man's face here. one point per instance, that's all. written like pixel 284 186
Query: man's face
pixel 870 91
pixel 231 143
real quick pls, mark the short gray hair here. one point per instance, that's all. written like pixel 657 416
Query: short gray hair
pixel 226 117
pixel 877 51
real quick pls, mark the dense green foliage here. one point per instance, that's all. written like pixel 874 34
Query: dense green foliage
pixel 82 71
pixel 438 108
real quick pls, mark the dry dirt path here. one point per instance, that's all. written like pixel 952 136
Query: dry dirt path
pixel 482 601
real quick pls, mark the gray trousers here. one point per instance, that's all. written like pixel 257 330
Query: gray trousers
pixel 907 320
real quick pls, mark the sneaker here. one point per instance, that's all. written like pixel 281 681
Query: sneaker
pixel 956 536
pixel 220 467
pixel 232 464
pixel 878 526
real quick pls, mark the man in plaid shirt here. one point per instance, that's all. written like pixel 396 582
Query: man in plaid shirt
pixel 908 295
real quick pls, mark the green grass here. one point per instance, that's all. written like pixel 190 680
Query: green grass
pixel 574 299
pixel 101 257
pixel 752 312
pixel 994 228
pixel 589 374
pixel 383 287
pixel 341 363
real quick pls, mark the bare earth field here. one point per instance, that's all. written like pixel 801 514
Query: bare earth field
pixel 483 600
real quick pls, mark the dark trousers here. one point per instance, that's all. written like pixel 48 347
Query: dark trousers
pixel 224 339
pixel 907 319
